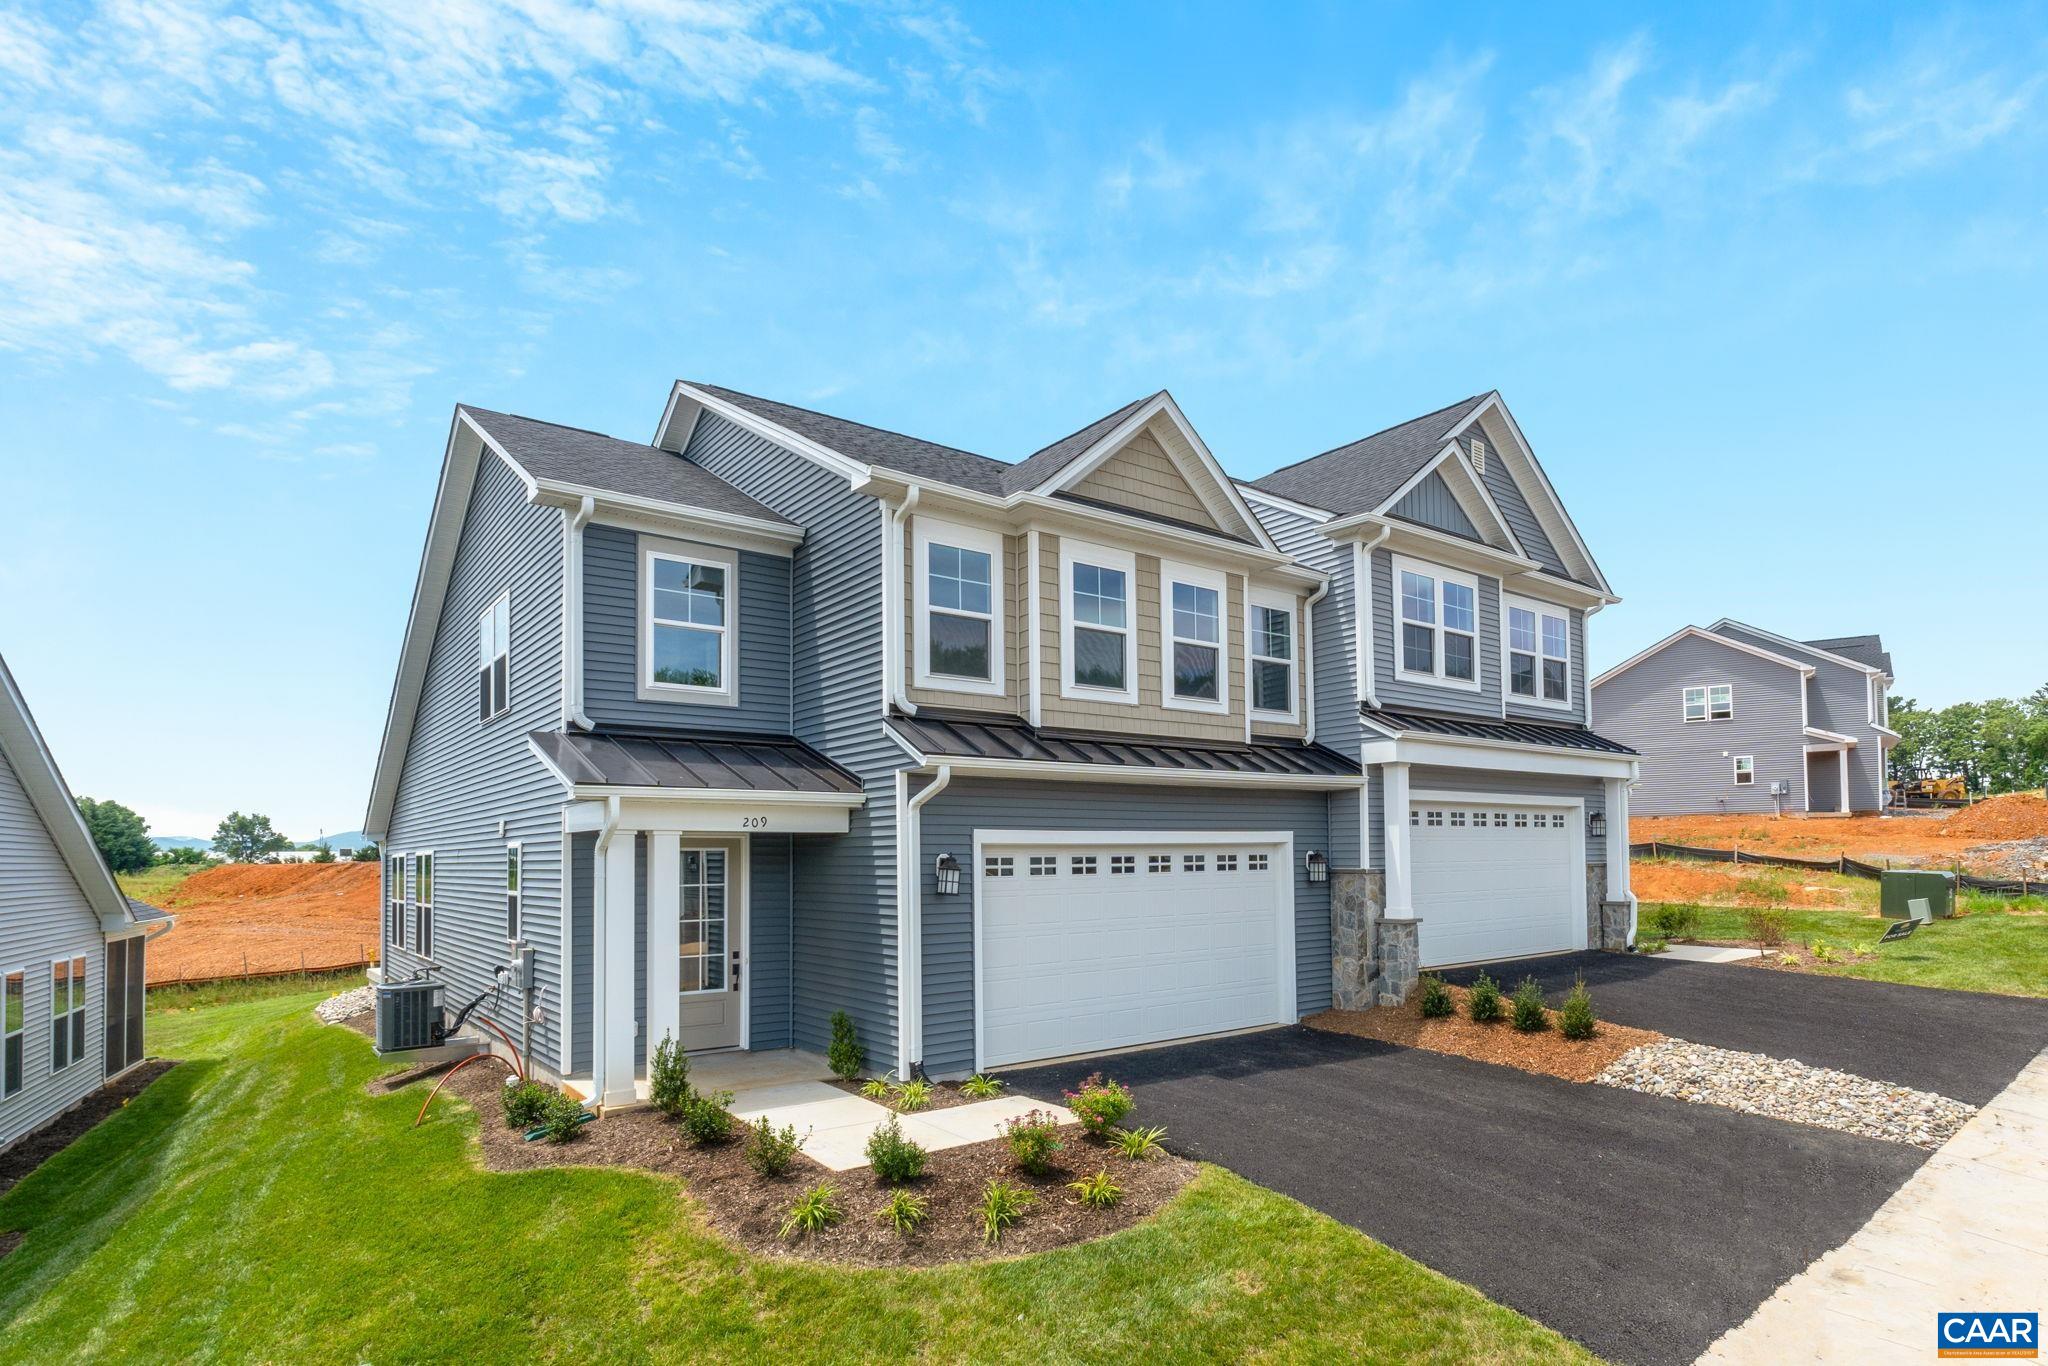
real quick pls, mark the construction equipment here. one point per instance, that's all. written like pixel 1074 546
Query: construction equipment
pixel 1942 791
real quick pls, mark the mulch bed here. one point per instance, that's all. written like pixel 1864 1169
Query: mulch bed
pixel 35 1149
pixel 1547 1051
pixel 945 1095
pixel 748 1208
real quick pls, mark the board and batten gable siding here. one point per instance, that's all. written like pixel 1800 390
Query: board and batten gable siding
pixel 1432 503
pixel 1396 692
pixel 948 824
pixel 1689 767
pixel 612 641
pixel 463 775
pixel 44 915
pixel 1837 699
pixel 1507 495
pixel 844 916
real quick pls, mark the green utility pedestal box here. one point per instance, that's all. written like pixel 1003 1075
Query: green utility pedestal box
pixel 1901 886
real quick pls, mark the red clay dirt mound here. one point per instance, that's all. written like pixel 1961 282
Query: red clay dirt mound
pixel 244 919
pixel 2015 816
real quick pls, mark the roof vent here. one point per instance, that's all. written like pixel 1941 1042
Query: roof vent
pixel 1478 455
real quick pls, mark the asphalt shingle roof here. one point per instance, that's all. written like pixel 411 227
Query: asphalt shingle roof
pixel 547 450
pixel 873 445
pixel 1043 464
pixel 1863 649
pixel 1361 475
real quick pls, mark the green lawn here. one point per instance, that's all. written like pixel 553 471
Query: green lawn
pixel 1997 946
pixel 155 883
pixel 255 1204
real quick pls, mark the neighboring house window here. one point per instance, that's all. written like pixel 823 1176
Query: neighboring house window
pixel 1439 617
pixel 1539 652
pixel 1098 648
pixel 687 599
pixel 1745 770
pixel 959 608
pixel 1192 604
pixel 515 855
pixel 1714 703
pixel 13 1028
pixel 494 657
pixel 67 1012
pixel 394 900
pixel 423 904
pixel 1272 654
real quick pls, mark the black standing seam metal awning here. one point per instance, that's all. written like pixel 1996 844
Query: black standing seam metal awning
pixel 1514 732
pixel 693 762
pixel 954 737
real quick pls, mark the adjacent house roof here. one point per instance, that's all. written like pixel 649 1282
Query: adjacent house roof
pixel 1868 650
pixel 1398 723
pixel 1043 464
pixel 873 445
pixel 146 913
pixel 1711 637
pixel 572 456
pixel 941 736
pixel 1360 476
pixel 682 761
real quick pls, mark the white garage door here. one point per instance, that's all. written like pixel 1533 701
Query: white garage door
pixel 1495 880
pixel 1085 947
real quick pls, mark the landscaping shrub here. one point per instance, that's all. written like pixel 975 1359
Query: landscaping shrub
pixel 1097 1191
pixel 816 1210
pixel 1648 944
pixel 668 1077
pixel 1530 1016
pixel 526 1104
pixel 1575 1018
pixel 845 1055
pixel 913 1095
pixel 894 1157
pixel 1676 922
pixel 875 1088
pixel 705 1119
pixel 1139 1144
pixel 563 1119
pixel 1100 1105
pixel 903 1212
pixel 1482 1000
pixel 1766 927
pixel 1034 1137
pixel 771 1150
pixel 1002 1204
pixel 981 1086
pixel 1435 999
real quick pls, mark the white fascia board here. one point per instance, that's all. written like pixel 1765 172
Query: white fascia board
pixel 1498 756
pixel 1428 543
pixel 1694 632
pixel 1111 773
pixel 1541 582
pixel 1815 732
pixel 1274 500
pixel 21 742
pixel 621 509
pixel 1558 514
pixel 1451 455
pixel 843 465
pixel 1800 645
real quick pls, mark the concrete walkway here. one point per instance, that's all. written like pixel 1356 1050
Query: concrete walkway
pixel 1968 1231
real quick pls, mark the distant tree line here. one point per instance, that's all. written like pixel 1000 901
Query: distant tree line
pixel 123 839
pixel 1995 746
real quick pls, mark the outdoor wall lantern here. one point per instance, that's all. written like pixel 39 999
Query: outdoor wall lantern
pixel 1596 825
pixel 948 869
pixel 1318 866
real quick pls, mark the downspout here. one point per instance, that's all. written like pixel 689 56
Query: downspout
pixel 1361 634
pixel 1308 657
pixel 910 928
pixel 572 647
pixel 598 985
pixel 893 605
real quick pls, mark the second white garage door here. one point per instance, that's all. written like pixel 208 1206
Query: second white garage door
pixel 1088 947
pixel 1496 880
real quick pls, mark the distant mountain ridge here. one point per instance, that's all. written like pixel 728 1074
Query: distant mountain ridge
pixel 179 842
pixel 347 839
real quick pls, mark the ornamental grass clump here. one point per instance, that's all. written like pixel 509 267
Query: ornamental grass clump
pixel 1530 1016
pixel 1436 1001
pixel 1483 1000
pixel 1139 1144
pixel 1003 1203
pixel 913 1095
pixel 981 1086
pixel 816 1210
pixel 1101 1105
pixel 1575 1017
pixel 1097 1191
pixel 903 1212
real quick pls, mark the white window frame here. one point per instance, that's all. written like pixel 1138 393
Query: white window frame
pixel 1729 688
pixel 423 905
pixel 1705 692
pixel 1074 552
pixel 394 899
pixel 726 694
pixel 1273 602
pixel 925 532
pixel 20 1031
pixel 1399 564
pixel 1743 777
pixel 490 650
pixel 515 891
pixel 1508 651
pixel 1218 583
pixel 74 997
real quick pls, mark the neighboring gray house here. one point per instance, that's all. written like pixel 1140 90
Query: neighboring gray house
pixel 782 714
pixel 71 945
pixel 1733 718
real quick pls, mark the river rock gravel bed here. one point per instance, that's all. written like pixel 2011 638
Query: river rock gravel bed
pixel 1781 1088
pixel 349 1004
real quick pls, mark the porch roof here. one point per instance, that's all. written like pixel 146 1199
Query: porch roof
pixel 692 761
pixel 939 736
pixel 1398 723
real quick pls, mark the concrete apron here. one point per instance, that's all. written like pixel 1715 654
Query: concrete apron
pixel 837 1124
pixel 1968 1231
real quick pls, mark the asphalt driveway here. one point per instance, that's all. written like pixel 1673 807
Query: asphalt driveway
pixel 1642 1227
pixel 1957 1043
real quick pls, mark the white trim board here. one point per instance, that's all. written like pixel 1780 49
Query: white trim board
pixel 1792 644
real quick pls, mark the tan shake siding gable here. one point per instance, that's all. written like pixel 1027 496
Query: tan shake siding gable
pixel 1144 477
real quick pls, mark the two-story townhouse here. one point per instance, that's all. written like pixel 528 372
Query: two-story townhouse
pixel 1731 717
pixel 782 714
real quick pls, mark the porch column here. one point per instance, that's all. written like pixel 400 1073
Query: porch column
pixel 1394 829
pixel 1617 838
pixel 1842 754
pixel 664 935
pixel 613 969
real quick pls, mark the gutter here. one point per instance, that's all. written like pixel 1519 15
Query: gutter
pixel 910 927
pixel 1308 657
pixel 1591 612
pixel 893 607
pixel 572 653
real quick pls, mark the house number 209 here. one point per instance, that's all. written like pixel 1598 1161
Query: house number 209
pixel 753 822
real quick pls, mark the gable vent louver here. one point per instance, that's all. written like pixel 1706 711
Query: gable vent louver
pixel 1478 455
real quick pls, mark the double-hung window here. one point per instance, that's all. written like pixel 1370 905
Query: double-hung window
pixel 959 608
pixel 423 904
pixel 1272 653
pixel 1539 652
pixel 1098 654
pixel 1745 769
pixel 394 900
pixel 515 855
pixel 13 1031
pixel 1193 603
pixel 67 1012
pixel 1715 702
pixel 687 622
pixel 494 657
pixel 1438 613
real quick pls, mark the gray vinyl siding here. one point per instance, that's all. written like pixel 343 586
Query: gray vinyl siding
pixel 1514 510
pixel 1499 783
pixel 770 868
pixel 611 642
pixel 1522 708
pixel 44 915
pixel 1837 699
pixel 948 826
pixel 1688 767
pixel 844 895
pixel 582 951
pixel 1395 692
pixel 1335 617
pixel 463 775
pixel 1432 503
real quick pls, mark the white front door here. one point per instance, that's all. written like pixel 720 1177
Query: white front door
pixel 1495 878
pixel 708 935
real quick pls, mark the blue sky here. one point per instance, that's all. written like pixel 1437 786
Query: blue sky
pixel 1763 286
